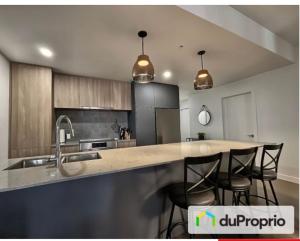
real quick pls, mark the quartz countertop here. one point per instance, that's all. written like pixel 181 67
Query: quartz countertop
pixel 113 160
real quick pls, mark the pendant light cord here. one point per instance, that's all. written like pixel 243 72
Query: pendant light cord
pixel 143 46
pixel 201 61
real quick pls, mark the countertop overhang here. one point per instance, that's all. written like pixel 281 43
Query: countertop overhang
pixel 113 160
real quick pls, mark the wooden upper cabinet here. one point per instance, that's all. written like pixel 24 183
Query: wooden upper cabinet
pixel 121 95
pixel 66 91
pixel 31 110
pixel 80 92
pixel 88 92
pixel 104 94
pixel 96 93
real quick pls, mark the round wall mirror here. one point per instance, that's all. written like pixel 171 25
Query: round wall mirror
pixel 204 116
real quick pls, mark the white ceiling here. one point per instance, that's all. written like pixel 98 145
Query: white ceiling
pixel 282 20
pixel 102 41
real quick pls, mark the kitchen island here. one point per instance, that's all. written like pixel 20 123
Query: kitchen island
pixel 120 195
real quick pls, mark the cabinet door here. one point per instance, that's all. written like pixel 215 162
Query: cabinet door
pixel 67 149
pixel 145 126
pixel 104 93
pixel 96 93
pixel 166 96
pixel 66 91
pixel 126 143
pixel 126 96
pixel 31 110
pixel 88 92
pixel 143 95
pixel 121 95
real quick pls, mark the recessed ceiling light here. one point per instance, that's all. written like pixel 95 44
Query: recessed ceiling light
pixel 167 74
pixel 46 52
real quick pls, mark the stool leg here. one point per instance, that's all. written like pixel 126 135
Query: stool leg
pixel 183 221
pixel 223 196
pixel 234 199
pixel 217 196
pixel 238 198
pixel 247 197
pixel 266 193
pixel 274 194
pixel 170 222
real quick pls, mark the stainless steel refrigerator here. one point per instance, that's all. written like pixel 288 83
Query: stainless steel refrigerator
pixel 167 125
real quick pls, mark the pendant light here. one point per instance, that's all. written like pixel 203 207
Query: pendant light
pixel 143 71
pixel 203 79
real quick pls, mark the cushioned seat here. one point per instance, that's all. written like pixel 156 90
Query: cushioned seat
pixel 237 182
pixel 197 197
pixel 202 169
pixel 267 174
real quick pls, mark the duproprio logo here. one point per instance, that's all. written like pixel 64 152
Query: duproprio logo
pixel 208 214
pixel 254 222
pixel 241 219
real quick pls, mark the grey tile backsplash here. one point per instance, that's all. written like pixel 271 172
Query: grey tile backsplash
pixel 90 124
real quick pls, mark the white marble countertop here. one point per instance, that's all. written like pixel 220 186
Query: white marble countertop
pixel 113 160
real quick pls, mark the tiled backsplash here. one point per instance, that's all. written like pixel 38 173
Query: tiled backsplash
pixel 90 124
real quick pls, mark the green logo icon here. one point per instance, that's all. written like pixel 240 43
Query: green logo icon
pixel 208 214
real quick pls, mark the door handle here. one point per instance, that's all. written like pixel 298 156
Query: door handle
pixel 251 135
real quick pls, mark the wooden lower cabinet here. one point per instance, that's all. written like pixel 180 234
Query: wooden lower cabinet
pixel 30 110
pixel 27 152
pixel 126 143
pixel 67 149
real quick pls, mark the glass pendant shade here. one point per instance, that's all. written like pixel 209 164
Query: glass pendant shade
pixel 143 70
pixel 203 79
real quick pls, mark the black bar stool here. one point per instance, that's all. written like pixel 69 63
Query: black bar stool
pixel 202 192
pixel 238 179
pixel 268 170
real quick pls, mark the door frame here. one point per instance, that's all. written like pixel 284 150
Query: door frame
pixel 254 111
pixel 189 109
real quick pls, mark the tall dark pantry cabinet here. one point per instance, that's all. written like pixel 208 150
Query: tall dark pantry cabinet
pixel 146 98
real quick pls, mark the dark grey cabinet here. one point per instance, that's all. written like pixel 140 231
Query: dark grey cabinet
pixel 166 96
pixel 145 126
pixel 143 95
pixel 146 98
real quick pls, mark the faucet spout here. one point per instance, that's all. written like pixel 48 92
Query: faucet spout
pixel 58 154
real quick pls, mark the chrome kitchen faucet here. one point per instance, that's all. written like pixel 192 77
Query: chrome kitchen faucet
pixel 57 151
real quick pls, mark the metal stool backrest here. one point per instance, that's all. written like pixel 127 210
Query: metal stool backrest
pixel 273 152
pixel 244 160
pixel 207 176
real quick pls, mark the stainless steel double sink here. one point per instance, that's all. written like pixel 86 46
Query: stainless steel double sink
pixel 48 161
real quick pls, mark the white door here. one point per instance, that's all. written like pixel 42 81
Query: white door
pixel 239 117
pixel 185 123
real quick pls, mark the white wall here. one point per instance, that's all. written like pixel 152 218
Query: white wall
pixel 4 106
pixel 276 100
pixel 184 120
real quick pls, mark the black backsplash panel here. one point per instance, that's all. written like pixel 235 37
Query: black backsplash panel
pixel 90 124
